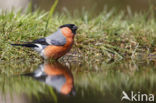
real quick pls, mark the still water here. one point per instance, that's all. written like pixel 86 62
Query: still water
pixel 55 82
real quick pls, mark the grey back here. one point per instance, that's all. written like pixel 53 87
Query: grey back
pixel 56 38
pixel 56 81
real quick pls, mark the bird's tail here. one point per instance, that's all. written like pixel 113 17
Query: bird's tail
pixel 33 75
pixel 28 74
pixel 25 45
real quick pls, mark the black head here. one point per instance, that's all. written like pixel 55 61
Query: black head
pixel 71 26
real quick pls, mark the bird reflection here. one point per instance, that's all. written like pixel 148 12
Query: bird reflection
pixel 55 75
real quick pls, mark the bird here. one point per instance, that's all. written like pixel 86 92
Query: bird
pixel 55 45
pixel 56 75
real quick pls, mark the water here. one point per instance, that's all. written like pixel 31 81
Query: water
pixel 56 82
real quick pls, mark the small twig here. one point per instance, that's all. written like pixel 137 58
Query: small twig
pixel 133 53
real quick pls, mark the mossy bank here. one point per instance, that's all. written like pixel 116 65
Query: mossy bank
pixel 109 35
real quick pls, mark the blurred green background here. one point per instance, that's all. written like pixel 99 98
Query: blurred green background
pixel 92 6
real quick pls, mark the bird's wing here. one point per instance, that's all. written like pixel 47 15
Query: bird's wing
pixel 41 41
pixel 56 38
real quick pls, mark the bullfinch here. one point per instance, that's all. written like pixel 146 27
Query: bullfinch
pixel 55 75
pixel 55 45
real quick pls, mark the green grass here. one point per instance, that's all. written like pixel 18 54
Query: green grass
pixel 109 35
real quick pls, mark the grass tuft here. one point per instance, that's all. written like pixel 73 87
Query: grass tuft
pixel 107 36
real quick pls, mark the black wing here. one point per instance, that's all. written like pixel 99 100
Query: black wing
pixel 41 41
pixel 52 42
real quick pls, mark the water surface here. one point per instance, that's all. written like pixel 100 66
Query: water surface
pixel 75 83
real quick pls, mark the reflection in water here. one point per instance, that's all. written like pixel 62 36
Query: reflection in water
pixel 103 83
pixel 14 98
pixel 55 75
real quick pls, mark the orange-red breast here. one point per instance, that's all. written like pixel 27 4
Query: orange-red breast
pixel 55 45
pixel 56 75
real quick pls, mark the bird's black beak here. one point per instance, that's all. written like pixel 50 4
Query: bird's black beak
pixel 75 28
pixel 73 92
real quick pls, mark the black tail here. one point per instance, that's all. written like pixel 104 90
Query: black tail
pixel 25 45
pixel 28 74
pixel 40 78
